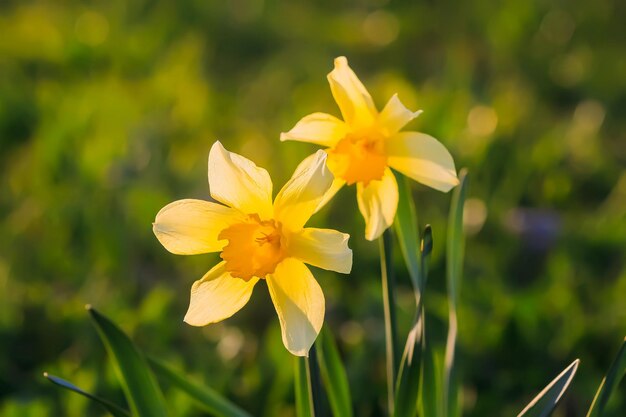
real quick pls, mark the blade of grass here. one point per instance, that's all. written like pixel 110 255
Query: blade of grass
pixel 304 397
pixel 409 375
pixel 430 387
pixel 406 229
pixel 140 387
pixel 454 267
pixel 333 374
pixel 114 409
pixel 609 383
pixel 546 401
pixel 206 397
pixel 430 394
pixel 389 305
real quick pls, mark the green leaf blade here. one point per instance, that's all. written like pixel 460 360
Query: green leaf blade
pixel 616 372
pixel 206 397
pixel 140 387
pixel 115 410
pixel 334 374
pixel 409 375
pixel 406 228
pixel 546 401
pixel 455 251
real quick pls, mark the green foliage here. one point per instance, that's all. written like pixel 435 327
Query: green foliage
pixel 454 266
pixel 141 389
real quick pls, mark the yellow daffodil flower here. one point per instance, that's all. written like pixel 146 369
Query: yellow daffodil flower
pixel 366 144
pixel 258 240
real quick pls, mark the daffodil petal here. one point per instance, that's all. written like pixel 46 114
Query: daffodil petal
pixel 395 116
pixel 319 128
pixel 324 248
pixel 378 203
pixel 337 184
pixel 300 197
pixel 239 183
pixel 422 158
pixel 189 227
pixel 217 296
pixel 299 302
pixel 354 101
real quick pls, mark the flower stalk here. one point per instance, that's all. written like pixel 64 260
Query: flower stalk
pixel 315 383
pixel 389 306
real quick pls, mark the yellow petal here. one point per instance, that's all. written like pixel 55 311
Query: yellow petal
pixel 217 296
pixel 378 203
pixel 319 128
pixel 337 184
pixel 423 158
pixel 354 101
pixel 299 302
pixel 188 227
pixel 324 248
pixel 395 116
pixel 239 183
pixel 300 197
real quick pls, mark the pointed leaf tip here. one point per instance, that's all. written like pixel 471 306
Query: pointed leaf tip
pixel 546 401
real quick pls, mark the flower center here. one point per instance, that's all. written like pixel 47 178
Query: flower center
pixel 358 158
pixel 254 247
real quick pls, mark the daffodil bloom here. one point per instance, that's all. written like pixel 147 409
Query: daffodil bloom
pixel 367 143
pixel 258 240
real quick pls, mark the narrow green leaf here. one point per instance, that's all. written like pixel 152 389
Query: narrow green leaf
pixel 456 238
pixel 302 389
pixel 430 394
pixel 409 375
pixel 408 385
pixel 140 387
pixel 454 268
pixel 333 374
pixel 406 229
pixel 206 397
pixel 115 410
pixel 609 383
pixel 546 401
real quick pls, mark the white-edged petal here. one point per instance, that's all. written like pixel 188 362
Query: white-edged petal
pixel 188 227
pixel 300 197
pixel 324 248
pixel 217 296
pixel 395 116
pixel 319 128
pixel 353 99
pixel 299 302
pixel 239 183
pixel 422 158
pixel 378 203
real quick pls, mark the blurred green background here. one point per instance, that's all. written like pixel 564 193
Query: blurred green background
pixel 108 111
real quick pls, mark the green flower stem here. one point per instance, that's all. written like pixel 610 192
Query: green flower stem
pixel 389 305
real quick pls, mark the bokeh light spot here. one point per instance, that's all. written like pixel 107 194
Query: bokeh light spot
pixel 482 121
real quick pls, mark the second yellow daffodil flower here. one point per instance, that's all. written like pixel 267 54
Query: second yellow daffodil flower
pixel 258 240
pixel 366 144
